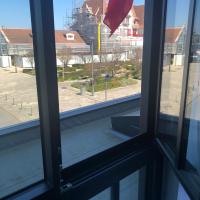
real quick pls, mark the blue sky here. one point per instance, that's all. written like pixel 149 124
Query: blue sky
pixel 16 13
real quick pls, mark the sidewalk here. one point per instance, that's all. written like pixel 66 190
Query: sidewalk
pixel 18 97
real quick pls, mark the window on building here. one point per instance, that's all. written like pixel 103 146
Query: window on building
pixel 70 36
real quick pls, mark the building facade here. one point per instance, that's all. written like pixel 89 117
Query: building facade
pixel 88 21
pixel 16 47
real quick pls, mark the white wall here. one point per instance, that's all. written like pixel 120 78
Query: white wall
pixel 26 63
pixel 5 61
pixel 78 60
pixel 178 60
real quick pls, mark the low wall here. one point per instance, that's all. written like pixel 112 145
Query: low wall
pixel 21 133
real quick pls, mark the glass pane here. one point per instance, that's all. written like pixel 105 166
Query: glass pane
pixel 129 187
pixel 192 116
pixel 172 71
pixel 105 195
pixel 172 188
pixel 96 71
pixel 182 195
pixel 20 147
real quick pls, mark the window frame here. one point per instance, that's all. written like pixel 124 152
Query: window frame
pixel 152 59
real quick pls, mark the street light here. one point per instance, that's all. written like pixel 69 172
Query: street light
pixel 107 78
pixel 92 51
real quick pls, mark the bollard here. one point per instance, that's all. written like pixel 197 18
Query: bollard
pixel 6 97
pixel 13 101
pixel 21 106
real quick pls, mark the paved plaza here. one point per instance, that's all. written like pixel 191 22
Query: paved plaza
pixel 18 97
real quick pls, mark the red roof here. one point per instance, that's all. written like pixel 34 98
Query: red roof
pixel 24 36
pixel 99 7
pixel 139 11
pixel 172 34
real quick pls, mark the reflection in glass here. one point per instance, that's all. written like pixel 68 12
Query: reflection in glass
pixel 192 115
pixel 169 183
pixel 129 187
pixel 182 195
pixel 173 65
pixel 171 187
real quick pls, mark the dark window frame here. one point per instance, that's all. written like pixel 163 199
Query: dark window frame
pixel 152 59
pixel 177 159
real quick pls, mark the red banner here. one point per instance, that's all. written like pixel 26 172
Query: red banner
pixel 116 12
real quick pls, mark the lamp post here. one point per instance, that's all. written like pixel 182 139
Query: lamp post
pixel 107 78
pixel 92 51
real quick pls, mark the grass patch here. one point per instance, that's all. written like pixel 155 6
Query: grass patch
pixel 100 84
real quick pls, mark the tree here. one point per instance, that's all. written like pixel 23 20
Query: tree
pixel 64 55
pixel 30 58
pixel 138 55
pixel 116 58
pixel 137 62
pixel 85 58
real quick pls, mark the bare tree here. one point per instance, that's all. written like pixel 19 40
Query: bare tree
pixel 137 62
pixel 85 58
pixel 64 55
pixel 116 58
pixel 138 55
pixel 30 58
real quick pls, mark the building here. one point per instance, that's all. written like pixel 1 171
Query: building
pixel 127 36
pixel 174 46
pixel 16 47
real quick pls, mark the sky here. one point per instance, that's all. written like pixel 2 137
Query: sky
pixel 16 13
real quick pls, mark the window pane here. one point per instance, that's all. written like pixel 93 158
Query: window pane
pixel 172 188
pixel 182 195
pixel 20 145
pixel 192 116
pixel 129 187
pixel 94 72
pixel 172 71
pixel 170 183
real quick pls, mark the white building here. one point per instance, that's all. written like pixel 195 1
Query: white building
pixel 16 47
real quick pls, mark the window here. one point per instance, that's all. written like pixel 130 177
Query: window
pixel 172 188
pixel 172 70
pixel 191 122
pixel 129 187
pixel 94 71
pixel 103 153
pixel 20 143
pixel 70 36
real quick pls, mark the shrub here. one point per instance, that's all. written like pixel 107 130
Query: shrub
pixel 29 71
